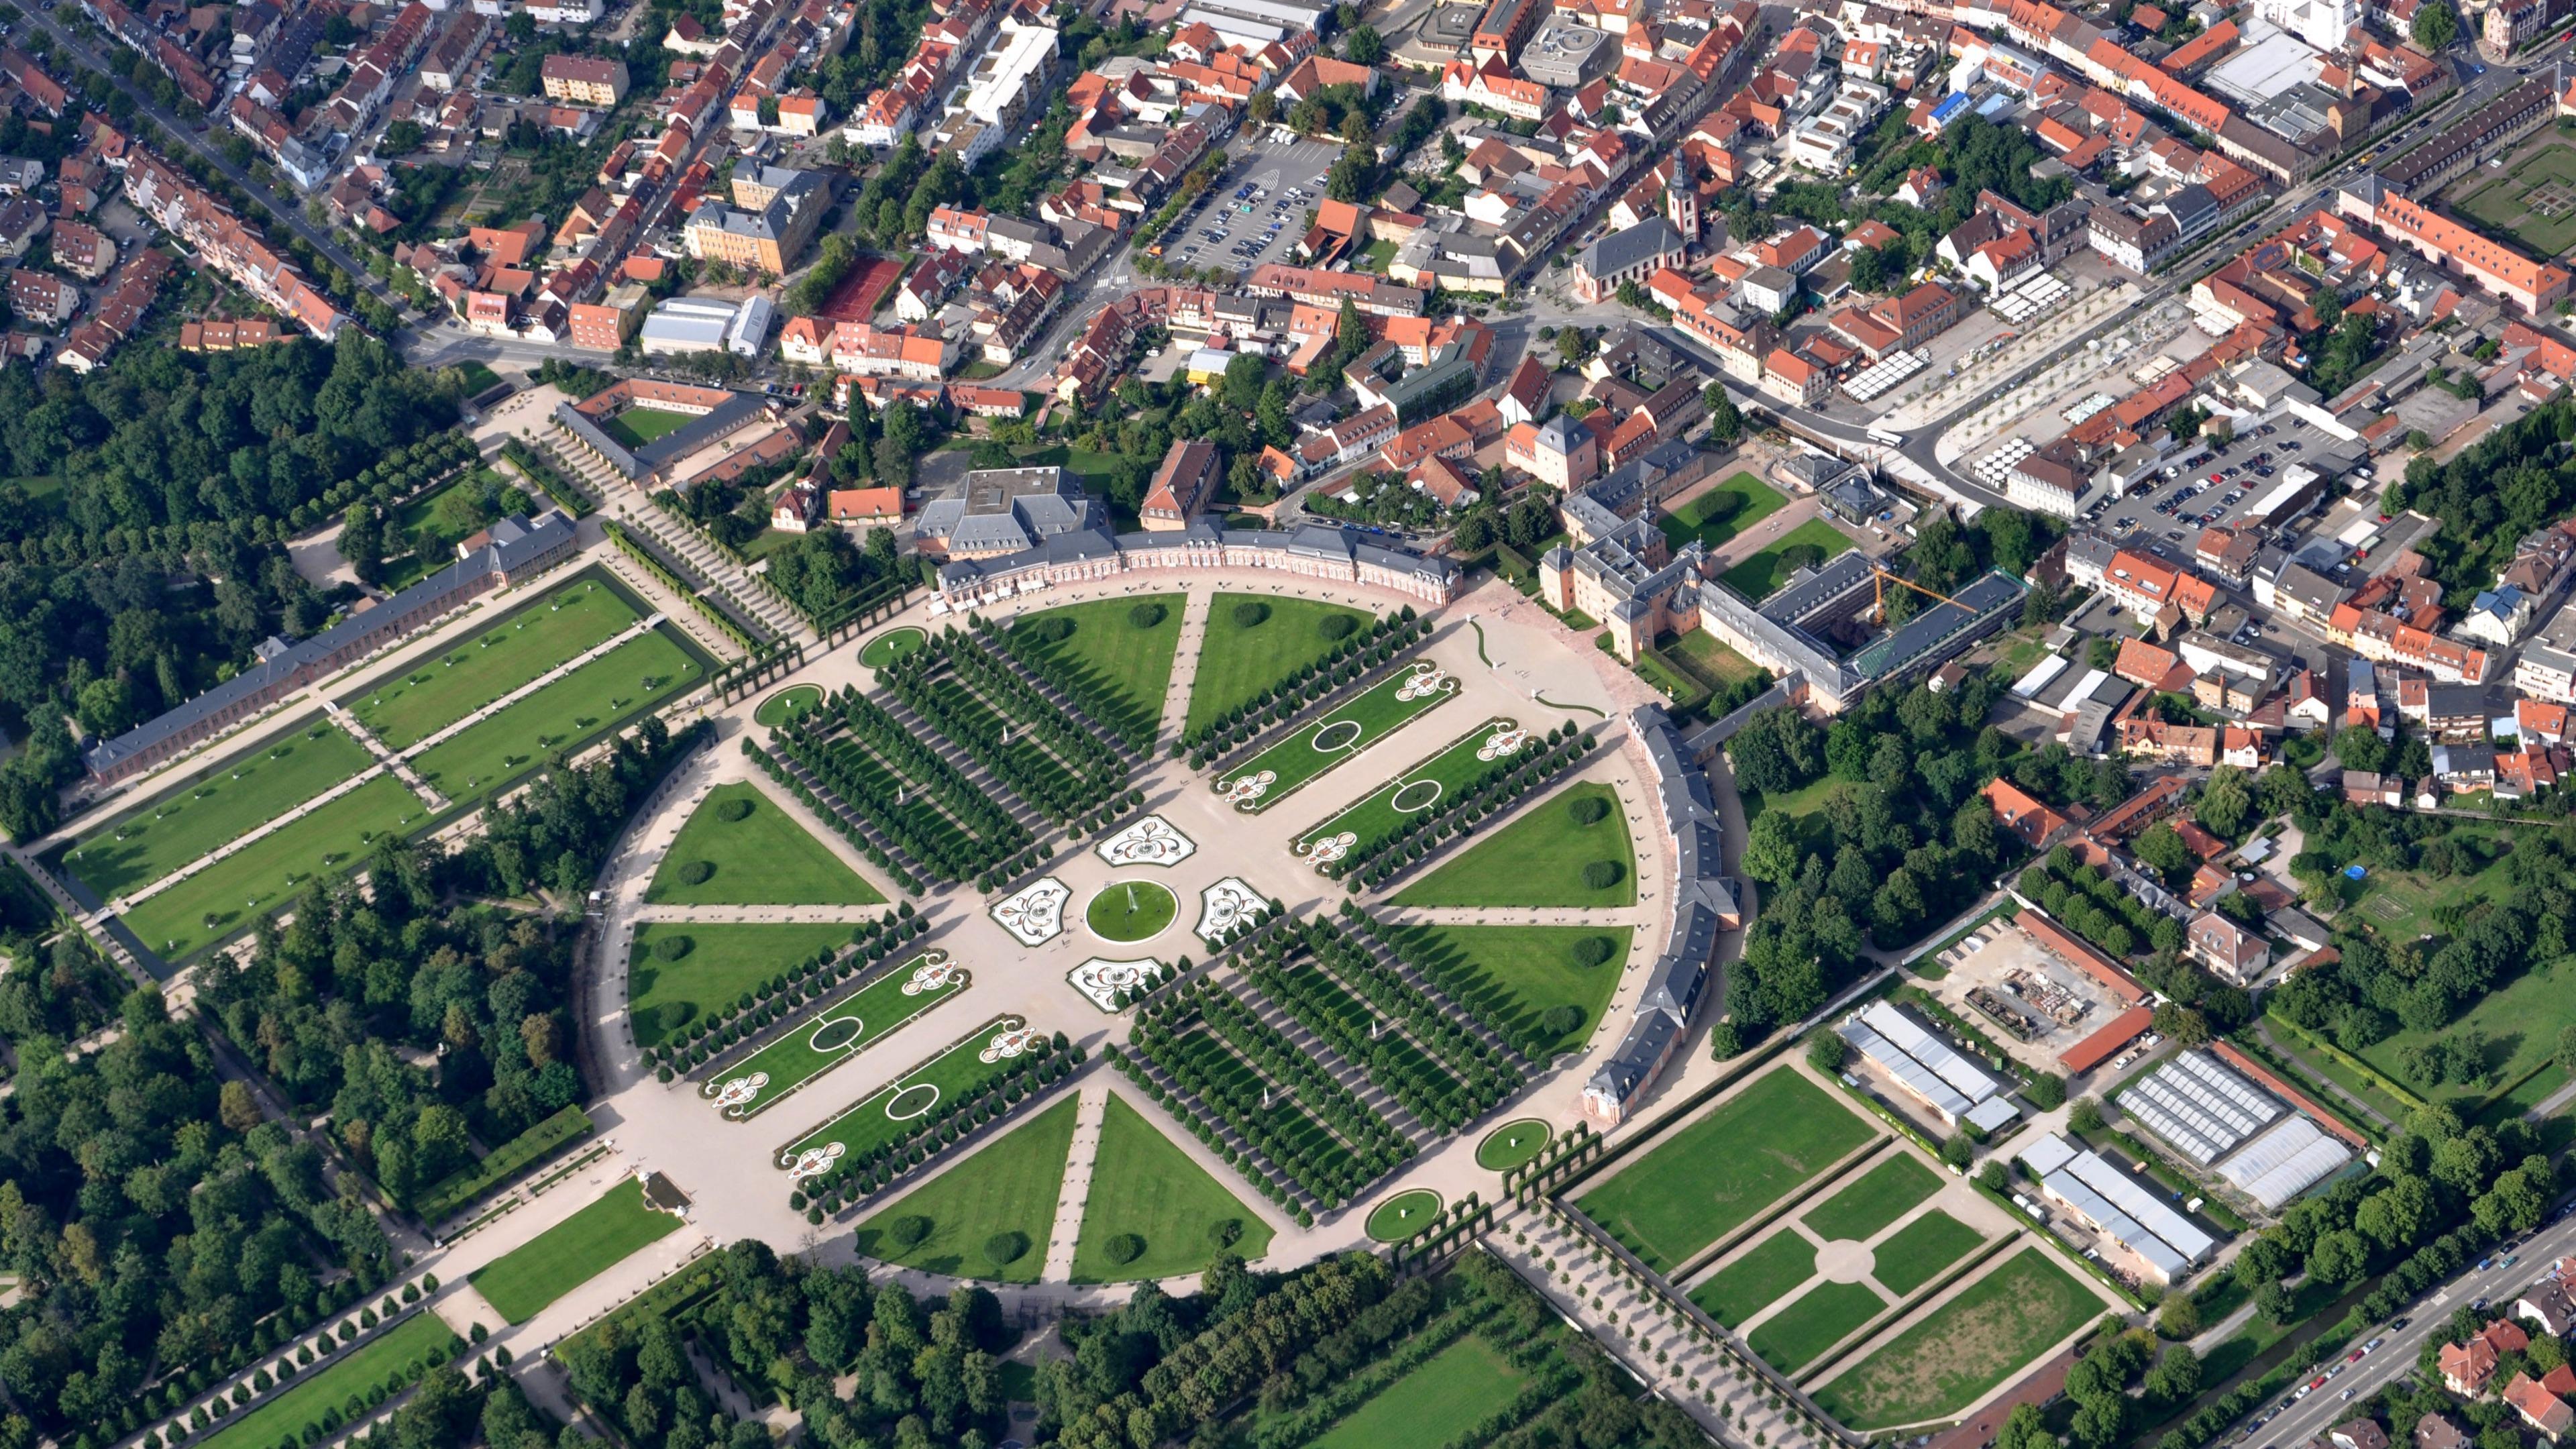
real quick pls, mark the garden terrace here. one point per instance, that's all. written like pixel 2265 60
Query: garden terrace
pixel 1403 954
pixel 835 1031
pixel 1259 648
pixel 884 774
pixel 738 848
pixel 987 1217
pixel 230 800
pixel 691 1040
pixel 1112 658
pixel 1475 777
pixel 919 1114
pixel 1541 988
pixel 1336 734
pixel 1343 663
pixel 1000 720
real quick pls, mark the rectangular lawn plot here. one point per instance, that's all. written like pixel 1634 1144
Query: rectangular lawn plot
pixel 1381 710
pixel 1253 641
pixel 186 916
pixel 236 797
pixel 594 698
pixel 1460 1384
pixel 582 613
pixel 1978 1338
pixel 1716 1174
pixel 1121 667
pixel 1752 1282
pixel 876 1119
pixel 286 1415
pixel 1874 1199
pixel 1814 1321
pixel 1539 859
pixel 1923 1250
pixel 521 1282
pixel 678 973
pixel 836 1032
pixel 1520 972
pixel 1482 752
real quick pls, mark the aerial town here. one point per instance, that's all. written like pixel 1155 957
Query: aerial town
pixel 649 650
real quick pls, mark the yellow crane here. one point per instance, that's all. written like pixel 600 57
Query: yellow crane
pixel 1880 578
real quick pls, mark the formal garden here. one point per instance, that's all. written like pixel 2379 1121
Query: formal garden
pixel 1112 657
pixel 739 848
pixel 227 801
pixel 563 623
pixel 520 1283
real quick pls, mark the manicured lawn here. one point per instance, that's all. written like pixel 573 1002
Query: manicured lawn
pixel 524 1280
pixel 786 704
pixel 1810 542
pixel 637 427
pixel 1709 657
pixel 1402 1215
pixel 1977 1339
pixel 891 645
pixel 599 696
pixel 266 876
pixel 1874 1199
pixel 1379 711
pixel 1723 511
pixel 1239 660
pixel 1512 1144
pixel 1124 671
pixel 1519 972
pixel 1748 1285
pixel 721 963
pixel 1145 1185
pixel 762 859
pixel 2519 1022
pixel 582 614
pixel 838 1031
pixel 288 1414
pixel 1922 1250
pixel 958 1071
pixel 236 797
pixel 1712 1176
pixel 1454 771
pixel 1813 1322
pixel 1538 859
pixel 997 1204
pixel 1131 910
pixel 1453 1388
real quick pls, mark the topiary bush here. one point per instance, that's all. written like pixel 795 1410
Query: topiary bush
pixel 672 948
pixel 1224 1232
pixel 1004 1249
pixel 738 808
pixel 1601 875
pixel 1124 1248
pixel 1560 1019
pixel 1251 614
pixel 906 1232
pixel 1587 809
pixel 1145 616
pixel 1336 626
pixel 1593 950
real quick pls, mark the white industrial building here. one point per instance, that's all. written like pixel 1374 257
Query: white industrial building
pixel 2115 1205
pixel 687 324
pixel 1937 1074
pixel 2214 1116
pixel 2284 1162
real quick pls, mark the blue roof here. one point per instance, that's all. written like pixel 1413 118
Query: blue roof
pixel 1948 111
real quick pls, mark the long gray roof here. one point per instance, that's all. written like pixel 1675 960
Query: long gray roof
pixel 1312 540
pixel 515 542
pixel 1632 1066
pixel 678 443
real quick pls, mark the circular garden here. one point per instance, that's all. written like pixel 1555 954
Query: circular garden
pixel 1133 910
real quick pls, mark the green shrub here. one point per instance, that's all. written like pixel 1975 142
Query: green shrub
pixel 1587 809
pixel 1336 626
pixel 1251 614
pixel 672 948
pixel 738 808
pixel 1004 1249
pixel 1224 1232
pixel 906 1232
pixel 1601 875
pixel 1145 616
pixel 1593 950
pixel 1125 1248
pixel 1560 1019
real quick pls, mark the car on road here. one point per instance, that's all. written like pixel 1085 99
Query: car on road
pixel 2348 1393
pixel 2354 1356
pixel 2395 1324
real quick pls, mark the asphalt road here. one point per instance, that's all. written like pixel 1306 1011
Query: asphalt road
pixel 2395 1358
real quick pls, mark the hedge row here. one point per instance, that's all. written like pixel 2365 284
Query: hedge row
pixel 710 1036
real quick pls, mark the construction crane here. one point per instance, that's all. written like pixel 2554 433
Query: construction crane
pixel 1880 578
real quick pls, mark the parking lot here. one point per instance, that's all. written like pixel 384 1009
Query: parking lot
pixel 2221 485
pixel 1258 212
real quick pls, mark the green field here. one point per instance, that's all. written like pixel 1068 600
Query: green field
pixel 1922 1250
pixel 1457 1386
pixel 582 614
pixel 1379 711
pixel 287 1414
pixel 959 1071
pixel 1977 1339
pixel 1874 1199
pixel 786 704
pixel 1716 1174
pixel 838 1031
pixel 236 796
pixel 1748 1285
pixel 1813 541
pixel 1454 769
pixel 763 859
pixel 1723 511
pixel 1538 859
pixel 1519 972
pixel 1814 1321
pixel 722 963
pixel 1124 671
pixel 1131 910
pixel 264 877
pixel 2519 1024
pixel 1512 1144
pixel 1145 1185
pixel 423 534
pixel 599 696
pixel 524 1280
pixel 638 427
pixel 2404 904
pixel 1237 662
pixel 998 1203
pixel 1401 1216
pixel 890 646
pixel 2530 202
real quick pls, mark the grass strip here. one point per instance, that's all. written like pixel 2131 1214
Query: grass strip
pixel 232 799
pixel 1379 711
pixel 520 1283
pixel 837 1031
pixel 393 1354
pixel 579 615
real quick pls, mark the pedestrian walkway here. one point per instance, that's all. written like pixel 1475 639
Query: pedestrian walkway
pixel 1091 1108
pixel 1185 658
pixel 759 915
pixel 239 843
pixel 385 755
pixel 601 650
